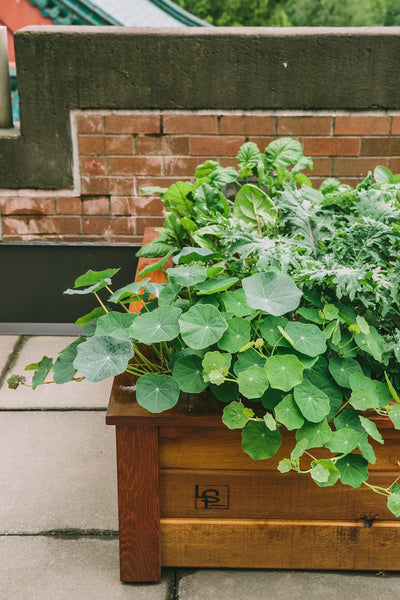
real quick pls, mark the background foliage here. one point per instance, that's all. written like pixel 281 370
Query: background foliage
pixel 297 13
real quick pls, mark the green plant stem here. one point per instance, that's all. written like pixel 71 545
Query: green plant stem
pixel 101 303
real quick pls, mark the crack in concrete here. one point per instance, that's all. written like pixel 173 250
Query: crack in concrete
pixel 69 534
pixel 13 357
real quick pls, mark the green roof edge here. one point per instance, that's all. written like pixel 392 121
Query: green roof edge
pixel 180 14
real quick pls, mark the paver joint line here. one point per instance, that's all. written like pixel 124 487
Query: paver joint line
pixel 12 358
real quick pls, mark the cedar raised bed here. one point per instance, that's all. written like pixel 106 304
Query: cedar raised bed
pixel 190 497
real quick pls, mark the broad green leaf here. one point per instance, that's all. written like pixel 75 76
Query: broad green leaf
pixel 270 421
pixel 248 155
pixel 393 503
pixel 205 169
pixel 92 316
pixel 236 336
pixel 115 324
pixel 371 429
pixel 348 418
pixel 287 413
pixel 383 175
pixel 235 302
pixel 176 198
pixel 394 415
pixel 215 285
pixel 132 289
pixel 330 312
pixel 310 314
pixel 342 368
pixel 91 278
pixel 187 372
pixel 315 434
pixel 202 325
pixel 43 369
pixel 249 358
pixel 168 294
pixel 371 342
pixel 102 356
pixel 271 292
pixel 63 368
pixel 157 392
pixel 284 372
pixel 362 324
pixel 190 254
pixel 379 392
pixel 187 275
pixel 226 392
pixel 252 205
pixel 271 398
pixel 343 441
pixel 366 449
pixel 324 472
pixel 216 367
pixel 353 470
pixel 361 399
pixel 312 402
pixel 156 248
pixel 159 325
pixel 268 327
pixel 259 442
pixel 306 338
pixel 252 382
pixel 155 266
pixel 391 389
pixel 235 415
pixel 285 465
pixel 299 449
pixel 284 152
pixel 319 376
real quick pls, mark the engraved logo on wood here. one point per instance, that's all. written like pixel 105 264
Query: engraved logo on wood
pixel 212 497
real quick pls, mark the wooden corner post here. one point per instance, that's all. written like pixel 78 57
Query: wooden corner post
pixel 138 502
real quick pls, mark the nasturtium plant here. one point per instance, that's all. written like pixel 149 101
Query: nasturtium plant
pixel 281 305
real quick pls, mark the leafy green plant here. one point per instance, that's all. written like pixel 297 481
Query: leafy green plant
pixel 282 303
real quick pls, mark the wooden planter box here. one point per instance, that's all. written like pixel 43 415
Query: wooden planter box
pixel 190 497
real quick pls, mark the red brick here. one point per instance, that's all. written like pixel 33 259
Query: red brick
pixel 262 142
pixel 15 225
pixel 133 124
pixel 394 165
pixel 100 186
pixel 68 206
pixel 179 123
pixel 119 144
pixel 90 123
pixel 179 166
pixel 136 205
pixel 21 205
pixel 331 146
pixel 92 144
pixel 322 166
pixel 229 161
pixel 134 165
pixel 304 125
pixel 362 125
pixel 163 182
pixel 216 146
pixel 143 222
pixel 162 145
pixel 247 125
pixel 109 226
pixel 354 167
pixel 389 146
pixel 41 225
pixel 395 125
pixel 99 205
pixel 91 165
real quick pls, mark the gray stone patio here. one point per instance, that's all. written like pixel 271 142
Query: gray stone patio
pixel 58 507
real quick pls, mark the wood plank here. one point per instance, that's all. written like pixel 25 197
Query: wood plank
pixel 215 448
pixel 280 544
pixel 138 503
pixel 231 494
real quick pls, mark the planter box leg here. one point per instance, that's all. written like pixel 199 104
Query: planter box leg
pixel 138 502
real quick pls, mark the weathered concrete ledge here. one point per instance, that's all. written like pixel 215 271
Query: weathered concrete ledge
pixel 65 68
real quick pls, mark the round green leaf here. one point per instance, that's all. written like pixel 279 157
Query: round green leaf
pixel 235 302
pixel 271 292
pixel 63 368
pixel 287 413
pixel 157 392
pixel 259 442
pixel 236 336
pixel 187 276
pixel 246 359
pixel 312 402
pixel 342 368
pixel 315 434
pixel 159 325
pixel 361 399
pixel 252 205
pixel 187 372
pixel 226 392
pixel 306 338
pixel 115 324
pixel 393 501
pixel 371 429
pixel 343 441
pixel 236 415
pixel 353 470
pixel 324 472
pixel 284 372
pixel 252 382
pixel 202 325
pixel 215 285
pixel 102 356
pixel 268 328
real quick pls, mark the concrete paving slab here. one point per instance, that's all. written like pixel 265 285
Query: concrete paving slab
pixel 281 585
pixel 68 395
pixel 57 471
pixel 7 343
pixel 42 568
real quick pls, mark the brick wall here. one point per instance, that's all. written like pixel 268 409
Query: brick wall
pixel 120 152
